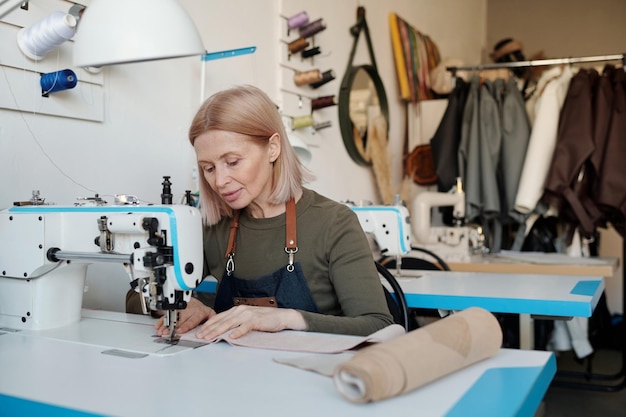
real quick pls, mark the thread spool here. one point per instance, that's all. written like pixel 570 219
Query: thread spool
pixel 321 102
pixel 297 20
pixel 301 122
pixel 307 77
pixel 36 41
pixel 308 53
pixel 57 81
pixel 297 45
pixel 322 125
pixel 312 28
pixel 326 77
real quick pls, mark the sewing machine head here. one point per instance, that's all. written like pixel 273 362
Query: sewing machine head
pixel 45 251
pixel 453 243
pixel 389 226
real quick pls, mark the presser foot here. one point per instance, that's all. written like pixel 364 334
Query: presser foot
pixel 168 339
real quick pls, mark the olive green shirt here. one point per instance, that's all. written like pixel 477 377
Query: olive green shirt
pixel 333 252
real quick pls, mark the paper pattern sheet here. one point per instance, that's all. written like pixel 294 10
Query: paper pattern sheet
pixel 298 341
pixel 322 363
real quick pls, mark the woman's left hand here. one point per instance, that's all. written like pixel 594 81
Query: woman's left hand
pixel 245 318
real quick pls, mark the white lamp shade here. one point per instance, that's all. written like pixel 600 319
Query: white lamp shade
pixel 123 31
pixel 301 148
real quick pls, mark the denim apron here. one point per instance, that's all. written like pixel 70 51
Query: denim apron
pixel 285 288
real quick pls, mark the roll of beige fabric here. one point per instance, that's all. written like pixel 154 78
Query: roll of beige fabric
pixel 421 356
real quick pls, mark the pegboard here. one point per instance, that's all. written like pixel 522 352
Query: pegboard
pixel 19 79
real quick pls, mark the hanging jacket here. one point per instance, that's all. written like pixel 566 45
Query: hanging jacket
pixel 542 142
pixel 611 186
pixel 603 110
pixel 490 137
pixel 469 152
pixel 490 156
pixel 567 186
pixel 445 141
pixel 515 136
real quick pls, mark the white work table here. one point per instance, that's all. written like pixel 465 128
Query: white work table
pixel 538 263
pixel 534 294
pixel 62 372
pixel 529 295
pixel 548 296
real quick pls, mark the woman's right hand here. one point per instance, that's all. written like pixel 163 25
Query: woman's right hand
pixel 188 319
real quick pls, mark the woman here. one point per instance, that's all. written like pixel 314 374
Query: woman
pixel 319 269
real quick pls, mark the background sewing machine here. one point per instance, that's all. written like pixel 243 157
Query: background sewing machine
pixel 45 251
pixel 388 225
pixel 453 243
pixel 396 231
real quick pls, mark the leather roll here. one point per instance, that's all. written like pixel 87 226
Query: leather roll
pixel 405 363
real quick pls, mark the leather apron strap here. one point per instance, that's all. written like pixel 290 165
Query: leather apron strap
pixel 286 287
pixel 232 244
pixel 291 243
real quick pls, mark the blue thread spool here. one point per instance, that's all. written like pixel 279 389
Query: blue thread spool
pixel 57 81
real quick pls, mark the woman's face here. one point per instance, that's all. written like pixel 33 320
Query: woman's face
pixel 237 167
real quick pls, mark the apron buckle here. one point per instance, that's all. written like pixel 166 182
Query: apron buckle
pixel 230 264
pixel 290 253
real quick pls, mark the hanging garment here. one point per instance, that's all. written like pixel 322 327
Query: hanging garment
pixel 603 110
pixel 515 128
pixel 469 152
pixel 445 142
pixel 531 102
pixel 572 334
pixel 479 157
pixel 541 143
pixel 415 55
pixel 611 187
pixel 491 95
pixel 490 137
pixel 567 185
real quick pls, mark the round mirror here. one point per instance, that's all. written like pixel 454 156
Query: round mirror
pixel 361 96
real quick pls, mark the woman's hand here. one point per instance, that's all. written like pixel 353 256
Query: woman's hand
pixel 189 318
pixel 245 318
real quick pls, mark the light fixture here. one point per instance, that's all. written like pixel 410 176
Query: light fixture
pixel 301 148
pixel 124 31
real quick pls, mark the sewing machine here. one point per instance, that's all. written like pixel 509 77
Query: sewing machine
pixel 391 226
pixel 388 225
pixel 452 243
pixel 45 251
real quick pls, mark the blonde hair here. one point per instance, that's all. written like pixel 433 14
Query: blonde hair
pixel 247 110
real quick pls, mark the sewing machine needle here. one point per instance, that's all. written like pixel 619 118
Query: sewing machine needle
pixel 173 319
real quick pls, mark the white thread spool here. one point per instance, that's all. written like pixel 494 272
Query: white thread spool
pixel 45 35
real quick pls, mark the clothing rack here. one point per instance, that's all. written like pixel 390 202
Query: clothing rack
pixel 539 63
pixel 620 375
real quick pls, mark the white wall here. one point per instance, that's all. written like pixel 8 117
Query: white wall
pixel 575 28
pixel 147 107
pixel 458 27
